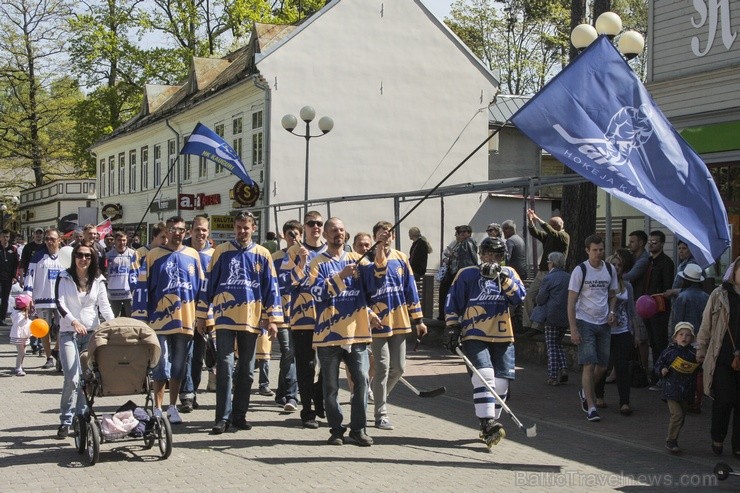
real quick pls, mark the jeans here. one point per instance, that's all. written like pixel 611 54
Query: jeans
pixel 264 373
pixel 390 363
pixel 619 358
pixel 497 355
pixel 305 365
pixel 595 342
pixel 121 308
pixel 227 407
pixel 193 367
pixel 358 363
pixel 71 345
pixel 287 385
pixel 657 332
pixel 175 349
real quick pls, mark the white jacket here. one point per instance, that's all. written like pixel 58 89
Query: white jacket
pixel 83 307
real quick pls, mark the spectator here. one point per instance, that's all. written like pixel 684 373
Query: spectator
pixel 419 253
pixel 636 245
pixel 516 259
pixel 8 271
pixel 718 341
pixel 271 242
pixel 120 261
pixel 36 243
pixel 461 253
pixel 685 258
pixel 553 298
pixel 494 231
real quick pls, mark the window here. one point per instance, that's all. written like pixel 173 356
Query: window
pixel 236 125
pixel 257 139
pixel 171 156
pixel 219 129
pixel 102 177
pixel 111 175
pixel 144 168
pixel 185 160
pixel 157 165
pixel 122 173
pixel 236 144
pixel 132 170
pixel 202 168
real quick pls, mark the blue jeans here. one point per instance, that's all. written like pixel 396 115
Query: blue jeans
pixel 358 364
pixel 228 408
pixel 287 384
pixel 70 346
pixel 175 349
pixel 595 342
pixel 193 367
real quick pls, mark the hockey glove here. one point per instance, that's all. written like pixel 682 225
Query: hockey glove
pixel 490 271
pixel 452 337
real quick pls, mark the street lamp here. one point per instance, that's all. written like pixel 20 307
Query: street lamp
pixel 630 45
pixel 307 114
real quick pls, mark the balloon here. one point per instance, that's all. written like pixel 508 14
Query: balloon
pixel 646 306
pixel 39 328
pixel 65 256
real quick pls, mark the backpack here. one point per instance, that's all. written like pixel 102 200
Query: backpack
pixel 582 265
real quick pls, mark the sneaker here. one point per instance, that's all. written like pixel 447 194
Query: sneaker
pixel 370 395
pixel 242 424
pixel 584 404
pixel 49 364
pixel 266 391
pixel 563 375
pixel 34 350
pixel 360 438
pixel 63 432
pixel 593 416
pixel 383 423
pixel 337 437
pixel 19 372
pixel 186 406
pixel 220 427
pixel 157 412
pixel 672 445
pixel 195 403
pixel 291 406
pixel 174 415
pixel 310 423
pixel 211 387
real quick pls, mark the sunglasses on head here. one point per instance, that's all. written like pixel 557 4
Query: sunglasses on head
pixel 313 223
pixel 86 256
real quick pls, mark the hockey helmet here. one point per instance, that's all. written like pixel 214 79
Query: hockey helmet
pixel 492 245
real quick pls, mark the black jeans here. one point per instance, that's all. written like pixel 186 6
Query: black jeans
pixel 619 358
pixel 726 405
pixel 287 384
pixel 657 331
pixel 305 365
pixel 5 285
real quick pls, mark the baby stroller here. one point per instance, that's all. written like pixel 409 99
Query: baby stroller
pixel 119 361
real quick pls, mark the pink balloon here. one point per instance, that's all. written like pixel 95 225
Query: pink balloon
pixel 646 306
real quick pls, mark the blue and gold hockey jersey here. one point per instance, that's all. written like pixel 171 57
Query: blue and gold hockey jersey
pixel 205 260
pixel 167 290
pixel 341 303
pixel 481 306
pixel 302 310
pixel 393 296
pixel 284 284
pixel 241 284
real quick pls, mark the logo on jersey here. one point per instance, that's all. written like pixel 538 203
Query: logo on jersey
pixel 176 278
pixel 238 275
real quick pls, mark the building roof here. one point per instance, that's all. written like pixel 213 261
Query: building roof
pixel 504 108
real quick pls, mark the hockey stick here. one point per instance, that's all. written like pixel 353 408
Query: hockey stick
pixel 530 431
pixel 423 393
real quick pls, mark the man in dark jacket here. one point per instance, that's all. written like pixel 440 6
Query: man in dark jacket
pixel 8 271
pixel 552 299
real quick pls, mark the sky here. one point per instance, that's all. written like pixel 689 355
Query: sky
pixel 440 8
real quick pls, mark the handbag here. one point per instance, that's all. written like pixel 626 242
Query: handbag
pixel 736 360
pixel 441 273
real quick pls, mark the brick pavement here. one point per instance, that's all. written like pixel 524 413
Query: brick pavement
pixel 434 446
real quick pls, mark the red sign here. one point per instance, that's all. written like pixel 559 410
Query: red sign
pixel 190 201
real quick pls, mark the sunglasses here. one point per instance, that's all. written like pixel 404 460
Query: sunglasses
pixel 51 239
pixel 173 229
pixel 83 256
pixel 313 223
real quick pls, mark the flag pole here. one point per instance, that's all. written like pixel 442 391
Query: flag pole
pixel 164 180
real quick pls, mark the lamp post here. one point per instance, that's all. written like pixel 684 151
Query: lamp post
pixel 630 45
pixel 307 114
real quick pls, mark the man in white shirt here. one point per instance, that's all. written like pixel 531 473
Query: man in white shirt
pixel 120 260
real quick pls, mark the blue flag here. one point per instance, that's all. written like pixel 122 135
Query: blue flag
pixel 206 143
pixel 597 118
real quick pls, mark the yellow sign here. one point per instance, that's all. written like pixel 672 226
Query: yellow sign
pixel 222 223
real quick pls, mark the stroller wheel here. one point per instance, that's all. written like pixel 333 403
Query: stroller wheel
pixel 79 429
pixel 92 442
pixel 722 471
pixel 164 437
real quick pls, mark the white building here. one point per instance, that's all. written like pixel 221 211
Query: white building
pixel 408 99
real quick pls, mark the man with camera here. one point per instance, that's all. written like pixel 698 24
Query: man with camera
pixel 477 318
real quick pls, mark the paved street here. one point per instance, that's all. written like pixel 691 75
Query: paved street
pixel 434 446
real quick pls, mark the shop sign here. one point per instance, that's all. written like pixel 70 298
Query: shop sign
pixel 189 201
pixel 112 211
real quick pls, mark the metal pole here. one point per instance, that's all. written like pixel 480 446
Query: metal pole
pixel 305 189
pixel 608 214
pixel 396 215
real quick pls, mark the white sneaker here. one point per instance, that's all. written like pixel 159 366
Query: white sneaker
pixel 370 395
pixel 211 387
pixel 290 406
pixel 174 415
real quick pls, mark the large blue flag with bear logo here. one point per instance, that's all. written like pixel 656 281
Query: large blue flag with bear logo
pixel 597 118
pixel 206 143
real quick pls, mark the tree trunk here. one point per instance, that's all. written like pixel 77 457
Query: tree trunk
pixel 579 201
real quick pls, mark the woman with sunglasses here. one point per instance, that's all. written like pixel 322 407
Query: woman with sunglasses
pixel 80 294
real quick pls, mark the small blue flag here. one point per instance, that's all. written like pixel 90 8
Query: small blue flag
pixel 206 143
pixel 597 118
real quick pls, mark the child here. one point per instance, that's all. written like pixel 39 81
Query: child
pixel 677 367
pixel 20 332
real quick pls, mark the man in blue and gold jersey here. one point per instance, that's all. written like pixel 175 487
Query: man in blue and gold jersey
pixel 477 310
pixel 396 302
pixel 287 389
pixel 342 331
pixel 159 238
pixel 303 316
pixel 165 297
pixel 243 288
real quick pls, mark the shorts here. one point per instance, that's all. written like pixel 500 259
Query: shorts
pixel 175 349
pixel 595 343
pixel 497 355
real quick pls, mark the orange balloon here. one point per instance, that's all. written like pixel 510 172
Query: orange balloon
pixel 39 328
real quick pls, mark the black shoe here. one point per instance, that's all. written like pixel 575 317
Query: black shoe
pixel 337 437
pixel 672 446
pixel 717 449
pixel 63 432
pixel 360 438
pixel 242 424
pixel 195 403
pixel 310 423
pixel 220 427
pixel 320 413
pixel 563 375
pixel 186 406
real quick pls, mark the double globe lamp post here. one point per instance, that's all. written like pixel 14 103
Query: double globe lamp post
pixel 307 114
